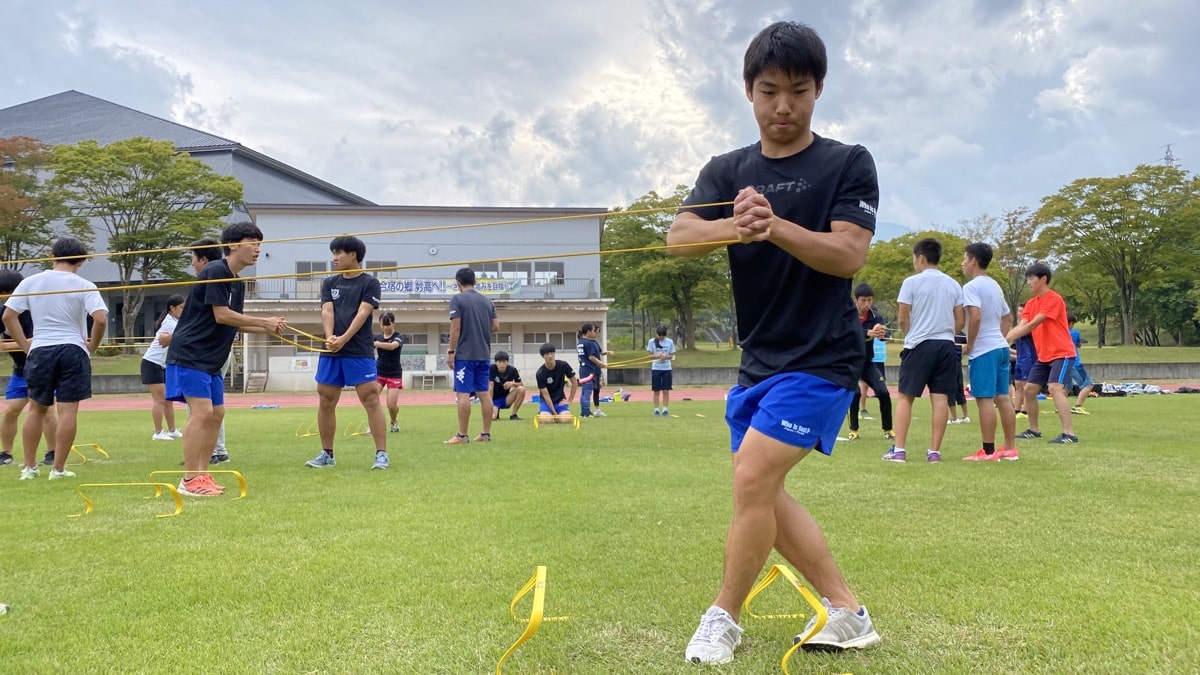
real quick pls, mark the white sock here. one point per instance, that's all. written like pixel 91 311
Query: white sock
pixel 899 449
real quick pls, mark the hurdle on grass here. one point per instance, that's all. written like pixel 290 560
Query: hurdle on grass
pixel 158 488
pixel 236 474
pixel 76 450
pixel 821 614
pixel 537 584
pixel 554 421
pixel 307 429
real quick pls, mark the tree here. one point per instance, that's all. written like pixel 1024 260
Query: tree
pixel 28 205
pixel 1089 293
pixel 148 197
pixel 1125 226
pixel 1013 238
pixel 655 280
pixel 619 272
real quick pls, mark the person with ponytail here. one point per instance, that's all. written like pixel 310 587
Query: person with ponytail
pixel 590 364
pixel 154 370
pixel 662 348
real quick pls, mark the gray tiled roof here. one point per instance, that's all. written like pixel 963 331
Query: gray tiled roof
pixel 71 117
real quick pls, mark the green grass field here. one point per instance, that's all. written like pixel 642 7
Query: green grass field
pixel 1077 559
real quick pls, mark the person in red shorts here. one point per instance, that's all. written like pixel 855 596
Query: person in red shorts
pixel 390 372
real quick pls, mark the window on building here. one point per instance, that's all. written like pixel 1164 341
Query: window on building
pixel 559 340
pixel 521 271
pixel 548 273
pixel 415 343
pixel 309 266
pixel 385 265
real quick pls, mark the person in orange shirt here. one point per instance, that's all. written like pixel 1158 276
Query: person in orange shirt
pixel 1045 318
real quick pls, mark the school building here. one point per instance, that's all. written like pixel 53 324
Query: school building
pixel 539 267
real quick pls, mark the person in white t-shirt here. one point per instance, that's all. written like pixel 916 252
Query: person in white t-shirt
pixel 988 321
pixel 154 371
pixel 930 313
pixel 59 368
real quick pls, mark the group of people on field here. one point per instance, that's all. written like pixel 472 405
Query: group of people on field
pixel 942 322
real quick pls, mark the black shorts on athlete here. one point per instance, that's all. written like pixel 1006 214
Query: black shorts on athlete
pixel 931 363
pixel 1056 371
pixel 152 373
pixel 59 372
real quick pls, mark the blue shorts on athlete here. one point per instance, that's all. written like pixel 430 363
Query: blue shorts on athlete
pixel 1021 370
pixel 560 408
pixel 989 374
pixel 1080 377
pixel 798 409
pixel 17 388
pixel 471 376
pixel 184 383
pixel 1057 371
pixel 500 403
pixel 349 371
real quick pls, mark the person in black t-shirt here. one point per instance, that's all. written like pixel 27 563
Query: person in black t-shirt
pixel 871 373
pixel 799 227
pixel 387 362
pixel 212 317
pixel 348 300
pixel 507 390
pixel 552 378
pixel 16 395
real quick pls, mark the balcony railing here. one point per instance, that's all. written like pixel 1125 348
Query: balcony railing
pixel 310 289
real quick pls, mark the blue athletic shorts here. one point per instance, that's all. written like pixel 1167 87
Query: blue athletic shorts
pixel 799 409
pixel 17 388
pixel 1057 371
pixel 471 377
pixel 661 380
pixel 1080 377
pixel 501 403
pixel 1021 370
pixel 559 408
pixel 184 383
pixel 345 371
pixel 989 374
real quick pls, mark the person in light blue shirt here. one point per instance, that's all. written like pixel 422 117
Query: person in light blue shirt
pixel 662 349
pixel 1079 374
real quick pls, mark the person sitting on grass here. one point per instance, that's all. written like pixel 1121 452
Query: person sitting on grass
pixel 507 390
pixel 552 378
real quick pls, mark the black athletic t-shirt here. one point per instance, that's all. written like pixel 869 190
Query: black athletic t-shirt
pixel 554 380
pixel 346 294
pixel 498 379
pixel 18 356
pixel 790 317
pixel 199 342
pixel 387 361
pixel 868 322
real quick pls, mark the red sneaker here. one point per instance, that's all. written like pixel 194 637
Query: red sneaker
pixel 981 456
pixel 199 486
pixel 1007 453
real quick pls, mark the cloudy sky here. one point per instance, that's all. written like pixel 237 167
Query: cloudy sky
pixel 969 107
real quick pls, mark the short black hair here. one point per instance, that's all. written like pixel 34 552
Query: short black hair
pixel 980 252
pixel 588 327
pixel 863 290
pixel 661 330
pixel 9 280
pixel 387 318
pixel 206 249
pixel 501 355
pixel 239 232
pixel 348 244
pixel 1039 269
pixel 794 48
pixel 930 249
pixel 69 250
pixel 547 348
pixel 1071 318
pixel 465 276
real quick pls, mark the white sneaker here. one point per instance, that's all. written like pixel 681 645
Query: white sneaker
pixel 715 639
pixel 598 413
pixel 175 434
pixel 843 630
pixel 55 475
pixel 965 420
pixel 163 436
pixel 29 472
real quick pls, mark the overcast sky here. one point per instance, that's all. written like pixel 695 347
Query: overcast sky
pixel 968 107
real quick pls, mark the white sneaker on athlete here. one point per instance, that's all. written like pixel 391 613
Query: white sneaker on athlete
pixel 599 413
pixel 843 630
pixel 56 475
pixel 175 434
pixel 715 639
pixel 162 436
pixel 29 473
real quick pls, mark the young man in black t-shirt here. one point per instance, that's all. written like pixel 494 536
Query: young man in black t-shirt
pixel 871 373
pixel 507 390
pixel 347 301
pixel 801 222
pixel 211 319
pixel 552 377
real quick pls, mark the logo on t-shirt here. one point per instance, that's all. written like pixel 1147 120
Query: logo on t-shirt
pixel 867 207
pixel 337 293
